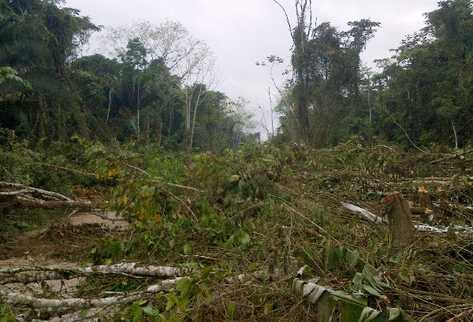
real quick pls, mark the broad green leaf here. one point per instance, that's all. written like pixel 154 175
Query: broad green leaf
pixel 151 311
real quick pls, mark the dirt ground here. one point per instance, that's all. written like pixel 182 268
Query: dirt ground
pixel 67 240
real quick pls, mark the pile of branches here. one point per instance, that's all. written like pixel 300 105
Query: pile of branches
pixel 15 195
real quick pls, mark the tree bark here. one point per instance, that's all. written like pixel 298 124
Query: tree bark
pixel 109 103
pixel 42 304
pixel 400 223
pixel 194 119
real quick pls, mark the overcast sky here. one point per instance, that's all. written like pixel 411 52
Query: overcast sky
pixel 241 32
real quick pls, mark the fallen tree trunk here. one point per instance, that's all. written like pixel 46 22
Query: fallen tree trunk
pixel 460 156
pixel 29 202
pixel 19 195
pixel 369 216
pixel 38 274
pixel 365 214
pixel 45 193
pixel 52 305
pixel 134 269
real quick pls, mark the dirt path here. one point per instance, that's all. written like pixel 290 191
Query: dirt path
pixel 65 243
pixel 67 240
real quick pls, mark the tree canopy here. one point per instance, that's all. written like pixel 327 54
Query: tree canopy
pixel 49 91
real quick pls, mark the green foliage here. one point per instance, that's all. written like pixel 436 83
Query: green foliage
pixel 109 251
pixel 57 94
pixel 427 87
pixel 423 94
pixel 6 315
pixel 341 258
pixel 369 282
pixel 8 74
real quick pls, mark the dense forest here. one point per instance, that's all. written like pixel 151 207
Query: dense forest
pixel 131 189
pixel 421 96
pixel 154 86
pixel 151 90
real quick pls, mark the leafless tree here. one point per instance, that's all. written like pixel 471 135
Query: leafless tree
pixel 197 81
pixel 186 57
pixel 300 35
pixel 169 41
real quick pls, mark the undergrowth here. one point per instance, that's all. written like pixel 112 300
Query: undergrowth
pixel 263 209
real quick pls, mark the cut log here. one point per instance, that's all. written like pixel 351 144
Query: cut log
pixel 19 195
pixel 30 202
pixel 367 215
pixel 54 305
pixel 18 186
pixel 460 156
pixel 38 274
pixel 363 213
pixel 136 270
pixel 400 222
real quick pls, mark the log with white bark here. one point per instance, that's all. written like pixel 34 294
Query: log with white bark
pixel 90 315
pixel 365 214
pixel 30 202
pixel 136 270
pixel 19 195
pixel 27 277
pixel 20 187
pixel 369 216
pixel 53 305
pixel 37 274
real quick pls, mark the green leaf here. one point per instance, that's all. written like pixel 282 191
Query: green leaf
pixel 187 249
pixel 184 286
pixel 172 301
pixel 350 312
pixel 369 315
pixel 372 291
pixel 394 314
pixel 244 239
pixel 231 311
pixel 353 257
pixel 136 313
pixel 151 311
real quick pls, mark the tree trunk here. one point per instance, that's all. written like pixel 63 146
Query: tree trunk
pixel 400 223
pixel 109 103
pixel 194 118
pixel 159 133
pixel 455 134
pixel 138 108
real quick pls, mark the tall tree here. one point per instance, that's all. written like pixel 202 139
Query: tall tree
pixel 300 35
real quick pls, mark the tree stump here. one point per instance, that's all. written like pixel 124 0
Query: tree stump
pixel 424 198
pixel 400 223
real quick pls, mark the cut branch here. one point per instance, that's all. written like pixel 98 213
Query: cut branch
pixel 451 157
pixel 29 202
pixel 369 216
pixel 19 195
pixel 50 194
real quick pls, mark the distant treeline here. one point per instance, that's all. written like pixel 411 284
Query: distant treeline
pixel 423 95
pixel 154 88
pixel 154 82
